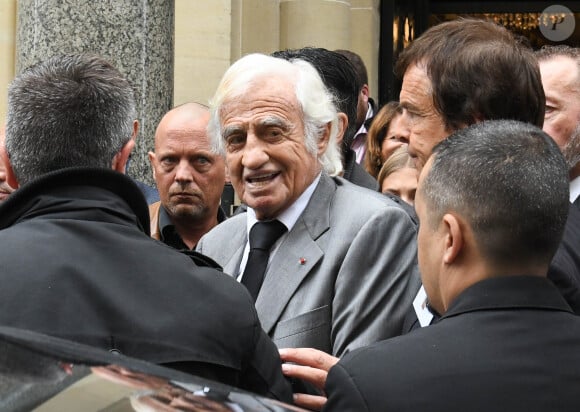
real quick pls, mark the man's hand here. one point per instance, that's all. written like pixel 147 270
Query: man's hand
pixel 312 366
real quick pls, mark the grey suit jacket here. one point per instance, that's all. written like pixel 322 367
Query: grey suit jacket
pixel 342 278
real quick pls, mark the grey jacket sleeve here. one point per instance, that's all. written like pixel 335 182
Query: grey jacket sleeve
pixel 376 283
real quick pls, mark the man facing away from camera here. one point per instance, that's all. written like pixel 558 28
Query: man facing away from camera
pixel 78 262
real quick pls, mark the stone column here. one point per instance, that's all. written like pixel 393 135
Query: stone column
pixel 135 35
pixel 255 27
pixel 7 41
pixel 202 48
pixel 318 23
pixel 365 25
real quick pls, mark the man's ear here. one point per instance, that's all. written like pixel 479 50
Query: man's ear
pixel 454 238
pixel 152 159
pixel 323 139
pixel 135 129
pixel 10 176
pixel 121 158
pixel 342 126
pixel 365 92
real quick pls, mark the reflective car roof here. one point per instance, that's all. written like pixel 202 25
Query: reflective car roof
pixel 47 374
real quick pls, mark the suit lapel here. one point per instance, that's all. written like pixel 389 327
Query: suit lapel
pixel 233 258
pixel 296 256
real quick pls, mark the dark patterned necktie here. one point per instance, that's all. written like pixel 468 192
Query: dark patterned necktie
pixel 263 235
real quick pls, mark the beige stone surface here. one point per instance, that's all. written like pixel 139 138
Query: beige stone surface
pixel 202 48
pixel 255 27
pixel 7 51
pixel 319 23
pixel 365 35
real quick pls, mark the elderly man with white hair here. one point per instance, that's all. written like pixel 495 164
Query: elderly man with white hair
pixel 330 265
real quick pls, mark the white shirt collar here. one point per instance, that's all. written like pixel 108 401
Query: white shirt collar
pixel 288 217
pixel 292 213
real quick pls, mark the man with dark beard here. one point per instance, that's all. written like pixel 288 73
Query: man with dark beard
pixel 189 176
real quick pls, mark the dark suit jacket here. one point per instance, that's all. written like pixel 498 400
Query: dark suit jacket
pixel 355 173
pixel 505 344
pixel 564 270
pixel 342 278
pixel 78 263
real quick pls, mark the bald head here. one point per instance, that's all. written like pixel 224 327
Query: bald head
pixel 184 118
pixel 189 175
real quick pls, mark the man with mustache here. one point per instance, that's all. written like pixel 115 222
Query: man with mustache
pixel 189 176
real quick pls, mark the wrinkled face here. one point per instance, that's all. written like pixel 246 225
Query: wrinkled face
pixel 5 188
pixel 403 183
pixel 268 162
pixel 190 178
pixel 561 81
pixel 429 244
pixel 396 136
pixel 426 126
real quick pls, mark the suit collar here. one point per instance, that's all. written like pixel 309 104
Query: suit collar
pixel 508 292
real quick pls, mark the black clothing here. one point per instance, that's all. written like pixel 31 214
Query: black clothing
pixel 505 344
pixel 78 263
pixel 168 234
pixel 564 269
pixel 355 173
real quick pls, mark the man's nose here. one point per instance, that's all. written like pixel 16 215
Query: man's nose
pixel 183 171
pixel 255 153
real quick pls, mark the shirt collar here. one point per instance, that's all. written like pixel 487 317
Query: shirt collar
pixel 289 216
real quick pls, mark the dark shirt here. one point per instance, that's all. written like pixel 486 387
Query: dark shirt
pixel 168 233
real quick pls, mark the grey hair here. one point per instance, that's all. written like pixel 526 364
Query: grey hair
pixel 316 102
pixel 67 111
pixel 509 180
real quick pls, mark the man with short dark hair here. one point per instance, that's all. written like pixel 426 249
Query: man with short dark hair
pixel 190 178
pixel 78 262
pixel 366 107
pixel 340 77
pixel 507 340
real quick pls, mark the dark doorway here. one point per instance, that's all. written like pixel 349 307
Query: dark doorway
pixel 402 21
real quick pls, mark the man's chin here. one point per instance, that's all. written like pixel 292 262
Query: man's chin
pixel 188 211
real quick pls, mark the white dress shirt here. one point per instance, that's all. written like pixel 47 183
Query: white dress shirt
pixel 288 217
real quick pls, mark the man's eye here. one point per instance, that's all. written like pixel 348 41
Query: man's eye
pixel 167 161
pixel 550 109
pixel 235 140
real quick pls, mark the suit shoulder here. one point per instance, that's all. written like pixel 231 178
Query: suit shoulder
pixel 357 200
pixel 225 228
